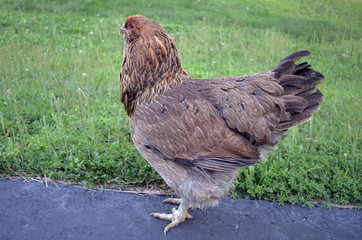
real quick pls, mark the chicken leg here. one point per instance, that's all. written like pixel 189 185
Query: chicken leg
pixel 177 216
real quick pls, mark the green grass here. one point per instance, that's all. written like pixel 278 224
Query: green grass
pixel 60 113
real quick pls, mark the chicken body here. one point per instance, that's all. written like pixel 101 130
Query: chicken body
pixel 181 133
pixel 197 133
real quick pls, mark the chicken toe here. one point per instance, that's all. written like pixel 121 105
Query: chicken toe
pixel 176 217
pixel 176 201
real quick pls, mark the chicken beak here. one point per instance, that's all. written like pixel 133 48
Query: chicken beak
pixel 122 29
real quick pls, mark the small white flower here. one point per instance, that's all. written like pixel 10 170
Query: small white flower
pixel 90 33
pixel 46 28
pixel 25 20
pixel 26 69
pixel 83 37
pixel 101 20
pixel 344 54
pixel 83 20
pixel 80 51
pixel 84 74
pixel 213 62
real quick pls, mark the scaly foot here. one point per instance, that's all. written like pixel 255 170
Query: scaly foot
pixel 176 217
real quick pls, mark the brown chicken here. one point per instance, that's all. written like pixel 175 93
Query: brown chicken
pixel 197 133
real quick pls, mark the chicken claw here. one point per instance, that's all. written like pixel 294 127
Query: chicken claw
pixel 176 217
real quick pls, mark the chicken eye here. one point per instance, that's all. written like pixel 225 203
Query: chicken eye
pixel 131 26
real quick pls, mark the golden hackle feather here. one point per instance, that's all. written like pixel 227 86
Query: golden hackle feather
pixel 151 64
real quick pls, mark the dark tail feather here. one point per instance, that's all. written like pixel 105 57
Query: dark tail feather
pixel 301 96
pixel 287 65
pixel 297 55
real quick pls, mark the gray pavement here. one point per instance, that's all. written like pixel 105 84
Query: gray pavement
pixel 30 210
